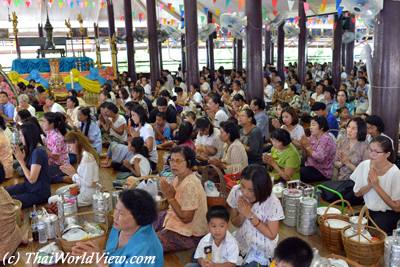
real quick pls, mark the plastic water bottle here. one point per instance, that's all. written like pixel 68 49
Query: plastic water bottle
pixel 41 226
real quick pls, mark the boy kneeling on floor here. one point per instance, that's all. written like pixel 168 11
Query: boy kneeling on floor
pixel 219 247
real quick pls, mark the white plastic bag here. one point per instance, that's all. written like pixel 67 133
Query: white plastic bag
pixel 149 186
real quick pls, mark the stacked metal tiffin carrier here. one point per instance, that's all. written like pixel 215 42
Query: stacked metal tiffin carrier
pixel 300 207
pixel 392 249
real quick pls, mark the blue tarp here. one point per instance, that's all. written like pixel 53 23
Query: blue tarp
pixel 23 66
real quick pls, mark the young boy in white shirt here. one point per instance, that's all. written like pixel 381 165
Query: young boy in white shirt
pixel 219 247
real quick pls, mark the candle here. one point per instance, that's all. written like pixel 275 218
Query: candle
pixel 71 77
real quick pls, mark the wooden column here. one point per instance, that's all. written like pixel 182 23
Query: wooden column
pixel 272 53
pixel 192 74
pixel 302 47
pixel 98 51
pixel 337 48
pixel 183 53
pixel 239 54
pixel 111 32
pixel 343 54
pixel 130 46
pixel 350 48
pixel 210 51
pixel 254 50
pixel 153 41
pixel 281 52
pixel 160 55
pixel 234 46
pixel 267 43
pixel 385 84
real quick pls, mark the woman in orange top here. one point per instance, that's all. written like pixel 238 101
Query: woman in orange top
pixel 184 224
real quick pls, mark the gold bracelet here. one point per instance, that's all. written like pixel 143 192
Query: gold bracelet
pixel 259 221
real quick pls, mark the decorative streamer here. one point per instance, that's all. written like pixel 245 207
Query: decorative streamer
pixel 306 6
pixel 228 2
pixel 206 10
pixel 122 18
pixel 323 5
pixel 214 1
pixel 17 2
pixel 274 5
pixel 291 4
pixel 60 3
pixel 169 6
pixel 338 2
pixel 340 10
pixel 202 18
pixel 28 3
pixel 8 2
pixel 240 4
pixel 86 3
pixel 217 11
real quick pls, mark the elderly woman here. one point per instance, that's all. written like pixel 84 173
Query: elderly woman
pixel 184 224
pixel 256 212
pixel 351 149
pixel 285 160
pixel 320 149
pixel 23 101
pixel 377 181
pixel 132 235
pixel 234 159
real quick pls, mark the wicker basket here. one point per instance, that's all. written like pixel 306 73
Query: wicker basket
pixel 67 246
pixel 349 262
pixel 366 254
pixel 332 238
pixel 214 174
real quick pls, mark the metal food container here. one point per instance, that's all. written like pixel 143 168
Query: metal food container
pixel 307 216
pixel 290 202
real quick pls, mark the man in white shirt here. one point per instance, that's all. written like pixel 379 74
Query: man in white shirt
pixel 169 80
pixel 52 106
pixel 24 104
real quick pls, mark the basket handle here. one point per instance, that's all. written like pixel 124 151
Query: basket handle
pixel 365 211
pixel 343 201
pixel 220 176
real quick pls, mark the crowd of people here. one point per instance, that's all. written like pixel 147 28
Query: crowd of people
pixel 311 131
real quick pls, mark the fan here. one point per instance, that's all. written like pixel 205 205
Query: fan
pixel 277 20
pixel 169 32
pixel 121 39
pixel 206 31
pixel 348 37
pixel 363 8
pixel 140 35
pixel 234 23
pixel 291 31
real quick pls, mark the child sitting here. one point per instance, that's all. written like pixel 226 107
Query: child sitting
pixel 292 252
pixel 161 128
pixel 139 164
pixel 219 246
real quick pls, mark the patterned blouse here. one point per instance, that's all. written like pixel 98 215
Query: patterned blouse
pixel 323 155
pixel 252 243
pixel 235 157
pixel 356 154
pixel 55 143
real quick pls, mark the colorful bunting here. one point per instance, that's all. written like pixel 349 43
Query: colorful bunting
pixel 217 11
pixel 338 2
pixel 28 3
pixel 340 10
pixel 60 3
pixel 290 4
pixel 323 5
pixel 228 2
pixel 306 6
pixel 214 1
pixel 240 4
pixel 202 18
pixel 206 10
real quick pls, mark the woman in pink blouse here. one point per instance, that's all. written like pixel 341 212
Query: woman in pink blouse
pixel 54 128
pixel 320 149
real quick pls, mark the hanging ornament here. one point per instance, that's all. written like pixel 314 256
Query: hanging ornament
pixel 240 4
pixel 290 4
pixel 17 2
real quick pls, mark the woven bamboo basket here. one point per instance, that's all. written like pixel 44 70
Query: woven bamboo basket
pixel 332 238
pixel 214 174
pixel 67 246
pixel 349 262
pixel 366 254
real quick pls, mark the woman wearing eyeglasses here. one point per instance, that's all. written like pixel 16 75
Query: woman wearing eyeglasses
pixel 184 224
pixel 377 180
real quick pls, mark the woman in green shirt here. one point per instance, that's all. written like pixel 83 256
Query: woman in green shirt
pixel 284 159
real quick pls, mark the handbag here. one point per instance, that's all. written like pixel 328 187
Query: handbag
pixel 345 188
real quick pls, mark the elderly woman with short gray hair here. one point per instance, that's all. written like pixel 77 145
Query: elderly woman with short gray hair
pixel 23 103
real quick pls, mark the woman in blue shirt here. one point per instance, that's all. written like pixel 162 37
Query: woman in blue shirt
pixel 90 128
pixel 34 163
pixel 132 235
